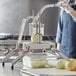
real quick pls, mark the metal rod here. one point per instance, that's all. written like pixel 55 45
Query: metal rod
pixel 39 26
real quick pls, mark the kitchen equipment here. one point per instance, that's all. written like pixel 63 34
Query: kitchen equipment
pixel 39 45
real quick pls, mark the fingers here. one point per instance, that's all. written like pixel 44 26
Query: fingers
pixel 63 3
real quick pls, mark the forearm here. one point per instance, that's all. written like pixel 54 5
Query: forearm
pixel 71 11
pixel 73 14
pixel 58 46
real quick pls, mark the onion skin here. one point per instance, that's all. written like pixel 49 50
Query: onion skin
pixel 39 63
pixel 71 64
pixel 60 64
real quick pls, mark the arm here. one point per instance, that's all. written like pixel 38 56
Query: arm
pixel 59 32
pixel 73 14
pixel 58 46
pixel 71 11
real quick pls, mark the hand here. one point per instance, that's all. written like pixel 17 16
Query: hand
pixel 63 4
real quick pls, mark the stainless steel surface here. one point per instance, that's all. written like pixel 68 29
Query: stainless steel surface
pixel 29 73
pixel 6 71
pixel 48 72
pixel 17 72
